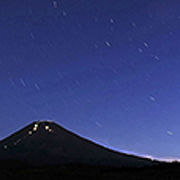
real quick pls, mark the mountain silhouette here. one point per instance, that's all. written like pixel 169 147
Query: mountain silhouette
pixel 44 143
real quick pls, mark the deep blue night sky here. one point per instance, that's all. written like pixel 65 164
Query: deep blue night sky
pixel 108 70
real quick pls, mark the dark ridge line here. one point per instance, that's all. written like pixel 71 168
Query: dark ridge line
pixel 28 127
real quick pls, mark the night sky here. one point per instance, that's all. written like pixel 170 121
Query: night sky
pixel 108 70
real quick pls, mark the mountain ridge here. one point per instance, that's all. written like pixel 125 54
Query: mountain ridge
pixel 47 143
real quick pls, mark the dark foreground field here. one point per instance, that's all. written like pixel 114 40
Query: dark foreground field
pixel 73 172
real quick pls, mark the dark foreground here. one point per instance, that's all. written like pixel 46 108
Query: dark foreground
pixel 11 170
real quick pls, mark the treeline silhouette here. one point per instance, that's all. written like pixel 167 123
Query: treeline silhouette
pixel 20 170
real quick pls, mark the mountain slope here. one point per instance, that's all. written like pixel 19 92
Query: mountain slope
pixel 46 143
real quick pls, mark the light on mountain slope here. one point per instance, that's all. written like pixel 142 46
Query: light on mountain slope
pixel 47 128
pixel 30 132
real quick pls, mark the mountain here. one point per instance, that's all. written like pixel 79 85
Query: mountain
pixel 45 143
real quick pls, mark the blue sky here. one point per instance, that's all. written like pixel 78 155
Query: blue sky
pixel 107 70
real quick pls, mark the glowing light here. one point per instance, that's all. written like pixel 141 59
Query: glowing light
pixel 30 132
pixel 35 127
pixel 47 127
pixel 5 146
pixel 50 130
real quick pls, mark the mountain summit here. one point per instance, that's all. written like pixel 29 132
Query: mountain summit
pixel 47 143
